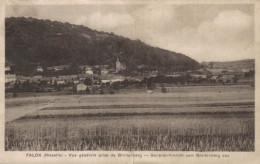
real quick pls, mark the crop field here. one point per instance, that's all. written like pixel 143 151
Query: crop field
pixel 189 119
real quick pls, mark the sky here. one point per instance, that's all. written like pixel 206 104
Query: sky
pixel 204 32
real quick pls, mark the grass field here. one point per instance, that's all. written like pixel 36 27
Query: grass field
pixel 186 119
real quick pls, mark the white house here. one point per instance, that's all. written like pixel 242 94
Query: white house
pixel 10 78
pixel 104 71
pixel 7 68
pixel 76 81
pixel 81 87
pixel 39 69
pixel 57 68
pixel 112 79
pixel 60 82
pixel 198 76
pixel 88 70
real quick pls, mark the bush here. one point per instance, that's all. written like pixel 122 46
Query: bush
pixel 102 92
pixel 111 92
pixel 88 91
pixel 15 94
pixel 164 90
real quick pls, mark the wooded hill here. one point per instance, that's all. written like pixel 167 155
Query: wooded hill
pixel 31 42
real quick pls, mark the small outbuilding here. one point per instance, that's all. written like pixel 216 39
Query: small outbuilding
pixel 80 88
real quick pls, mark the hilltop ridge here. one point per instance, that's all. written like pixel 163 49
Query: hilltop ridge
pixel 31 42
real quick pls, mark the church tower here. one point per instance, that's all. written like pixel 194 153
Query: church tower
pixel 118 65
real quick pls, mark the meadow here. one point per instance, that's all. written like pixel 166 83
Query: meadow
pixel 207 132
pixel 190 119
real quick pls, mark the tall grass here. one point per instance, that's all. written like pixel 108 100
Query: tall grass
pixel 146 133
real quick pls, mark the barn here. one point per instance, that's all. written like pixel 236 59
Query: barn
pixel 80 88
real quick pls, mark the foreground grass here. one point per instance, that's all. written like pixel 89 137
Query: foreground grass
pixel 206 132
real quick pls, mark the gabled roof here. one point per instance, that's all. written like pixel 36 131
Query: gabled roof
pixel 85 75
pixel 111 77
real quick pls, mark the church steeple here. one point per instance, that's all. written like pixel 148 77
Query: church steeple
pixel 119 66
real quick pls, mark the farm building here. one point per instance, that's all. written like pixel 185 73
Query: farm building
pixel 37 78
pixel 104 71
pixel 39 69
pixel 57 68
pixel 84 76
pixel 69 78
pixel 76 81
pixel 80 88
pixel 59 82
pixel 7 68
pixel 216 72
pixel 10 78
pixel 88 70
pixel 111 79
pixel 198 76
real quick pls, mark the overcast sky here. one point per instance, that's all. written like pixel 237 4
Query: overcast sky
pixel 203 32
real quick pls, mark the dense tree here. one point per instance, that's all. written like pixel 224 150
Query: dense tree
pixel 88 81
pixel 31 42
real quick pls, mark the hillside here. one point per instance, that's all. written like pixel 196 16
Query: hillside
pixel 238 64
pixel 31 42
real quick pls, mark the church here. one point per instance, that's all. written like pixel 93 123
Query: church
pixel 119 66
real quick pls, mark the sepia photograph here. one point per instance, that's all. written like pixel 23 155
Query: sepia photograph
pixel 130 77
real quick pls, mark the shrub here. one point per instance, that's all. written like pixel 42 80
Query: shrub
pixel 164 90
pixel 15 94
pixel 111 92
pixel 102 92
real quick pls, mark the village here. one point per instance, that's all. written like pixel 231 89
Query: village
pixel 107 79
pixel 131 77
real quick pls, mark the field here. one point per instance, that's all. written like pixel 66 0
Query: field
pixel 208 118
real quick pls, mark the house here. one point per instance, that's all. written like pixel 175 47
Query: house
pixel 198 76
pixel 37 77
pixel 7 68
pixel 76 81
pixel 69 78
pixel 49 68
pixel 65 67
pixel 21 78
pixel 136 78
pixel 101 66
pixel 59 82
pixel 174 75
pixel 57 68
pixel 238 73
pixel 244 70
pixel 216 72
pixel 111 79
pixel 104 71
pixel 215 77
pixel 82 77
pixel 154 72
pixel 88 70
pixel 81 87
pixel 39 69
pixel 228 77
pixel 10 78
